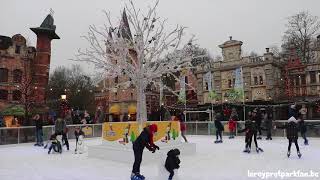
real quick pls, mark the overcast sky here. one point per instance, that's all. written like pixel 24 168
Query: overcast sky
pixel 258 23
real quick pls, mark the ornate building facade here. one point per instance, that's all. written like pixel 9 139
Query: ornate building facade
pixel 24 70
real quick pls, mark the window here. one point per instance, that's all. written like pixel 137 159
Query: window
pixel 16 95
pixel 17 76
pixel 131 95
pixel 229 83
pixel 261 80
pixel 206 86
pixel 313 78
pixel 255 80
pixel 233 82
pixel 303 79
pixel 116 80
pixel 186 79
pixel 3 75
pixel 298 80
pixel 3 94
pixel 18 48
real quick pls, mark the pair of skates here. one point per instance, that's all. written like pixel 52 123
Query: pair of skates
pixel 248 150
pixel 231 137
pixel 218 141
pixel 137 177
pixel 298 153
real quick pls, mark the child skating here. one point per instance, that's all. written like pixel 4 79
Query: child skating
pixel 172 162
pixel 232 124
pixel 292 134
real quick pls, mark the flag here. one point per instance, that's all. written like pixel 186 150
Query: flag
pixel 238 86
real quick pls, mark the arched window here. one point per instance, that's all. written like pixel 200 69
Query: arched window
pixel 3 94
pixel 17 76
pixel 16 96
pixel 3 75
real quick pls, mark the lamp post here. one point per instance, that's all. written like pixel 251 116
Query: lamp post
pixel 63 105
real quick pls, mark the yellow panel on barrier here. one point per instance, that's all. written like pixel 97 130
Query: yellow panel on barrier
pixel 125 132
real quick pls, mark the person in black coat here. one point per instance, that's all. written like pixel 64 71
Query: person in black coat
pixel 39 132
pixel 145 139
pixel 219 128
pixel 303 130
pixel 55 144
pixel 251 132
pixel 172 162
pixel 292 134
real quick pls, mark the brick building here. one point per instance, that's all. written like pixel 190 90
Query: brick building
pixel 24 70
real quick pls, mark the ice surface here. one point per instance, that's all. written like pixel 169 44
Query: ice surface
pixel 212 161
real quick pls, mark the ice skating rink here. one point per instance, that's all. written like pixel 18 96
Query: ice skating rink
pixel 212 162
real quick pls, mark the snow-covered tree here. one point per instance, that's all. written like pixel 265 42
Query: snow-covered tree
pixel 140 48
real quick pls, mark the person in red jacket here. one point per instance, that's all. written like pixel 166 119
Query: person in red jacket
pixel 232 127
pixel 145 139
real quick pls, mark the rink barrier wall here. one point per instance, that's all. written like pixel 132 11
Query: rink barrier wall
pixel 17 135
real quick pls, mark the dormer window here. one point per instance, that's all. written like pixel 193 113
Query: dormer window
pixel 18 48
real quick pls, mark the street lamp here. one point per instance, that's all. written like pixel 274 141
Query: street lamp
pixel 63 97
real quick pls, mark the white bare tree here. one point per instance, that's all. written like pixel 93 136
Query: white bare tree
pixel 143 53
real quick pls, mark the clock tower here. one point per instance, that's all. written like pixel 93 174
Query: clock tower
pixel 231 50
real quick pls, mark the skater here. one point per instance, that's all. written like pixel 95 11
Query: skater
pixel 55 143
pixel 172 162
pixel 145 139
pixel 251 132
pixel 303 130
pixel 79 134
pixel 39 132
pixel 292 134
pixel 61 129
pixel 183 127
pixel 219 128
pixel 257 117
pixel 268 124
pixel 232 126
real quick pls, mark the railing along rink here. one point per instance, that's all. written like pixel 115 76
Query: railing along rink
pixel 26 134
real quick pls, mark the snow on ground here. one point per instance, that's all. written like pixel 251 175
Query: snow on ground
pixel 212 161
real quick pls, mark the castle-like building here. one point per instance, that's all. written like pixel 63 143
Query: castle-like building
pixel 24 70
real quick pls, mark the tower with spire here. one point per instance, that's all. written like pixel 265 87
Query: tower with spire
pixel 45 33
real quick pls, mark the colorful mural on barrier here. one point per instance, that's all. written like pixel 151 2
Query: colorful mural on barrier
pixel 125 132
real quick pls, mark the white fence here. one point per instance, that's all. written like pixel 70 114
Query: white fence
pixel 17 135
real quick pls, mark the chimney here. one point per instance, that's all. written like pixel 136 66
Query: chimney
pixel 267 50
pixel 230 37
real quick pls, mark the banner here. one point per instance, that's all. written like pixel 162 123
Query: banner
pixel 207 78
pixel 182 94
pixel 238 86
pixel 161 92
pixel 126 132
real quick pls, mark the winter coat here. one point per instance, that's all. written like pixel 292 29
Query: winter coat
pixel 172 161
pixel 60 126
pixel 291 130
pixel 250 128
pixel 267 121
pixel 293 112
pixel 145 139
pixel 232 125
pixel 218 123
pixel 38 124
pixel 302 126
